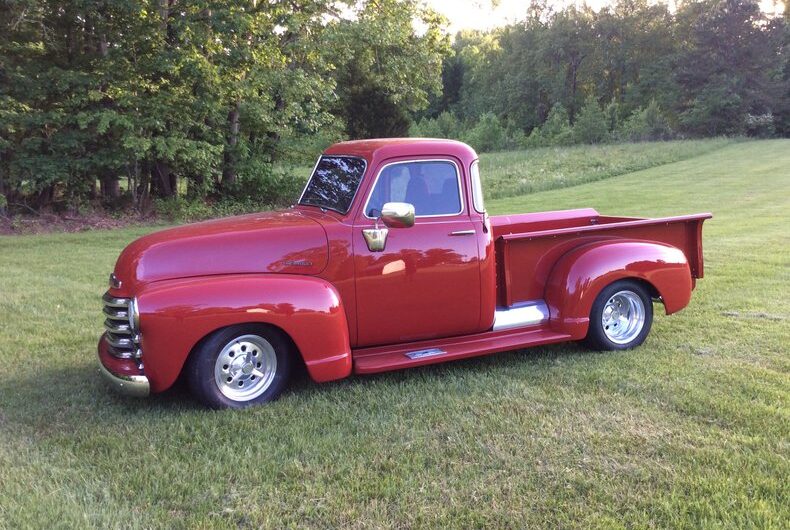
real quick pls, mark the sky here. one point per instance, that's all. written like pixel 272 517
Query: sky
pixel 478 14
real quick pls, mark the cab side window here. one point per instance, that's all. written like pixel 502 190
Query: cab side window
pixel 431 186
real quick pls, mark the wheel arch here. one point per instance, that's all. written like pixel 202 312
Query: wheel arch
pixel 293 349
pixel 580 275
pixel 649 287
pixel 177 316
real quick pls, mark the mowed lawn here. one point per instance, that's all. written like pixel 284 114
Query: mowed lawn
pixel 690 430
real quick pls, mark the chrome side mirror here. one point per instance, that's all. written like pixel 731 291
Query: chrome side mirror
pixel 398 214
pixel 393 215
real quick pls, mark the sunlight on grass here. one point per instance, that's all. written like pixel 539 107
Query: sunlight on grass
pixel 520 172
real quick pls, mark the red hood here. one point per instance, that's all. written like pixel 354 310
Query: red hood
pixel 271 242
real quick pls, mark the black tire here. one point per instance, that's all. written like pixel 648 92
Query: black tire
pixel 598 338
pixel 200 368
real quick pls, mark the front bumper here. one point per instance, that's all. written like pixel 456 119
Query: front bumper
pixel 128 385
pixel 120 374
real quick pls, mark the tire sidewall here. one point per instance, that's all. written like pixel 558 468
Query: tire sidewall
pixel 200 369
pixel 596 336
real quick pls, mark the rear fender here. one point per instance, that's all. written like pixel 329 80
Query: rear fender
pixel 175 315
pixel 582 273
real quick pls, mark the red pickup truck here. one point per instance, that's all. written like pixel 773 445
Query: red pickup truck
pixel 388 261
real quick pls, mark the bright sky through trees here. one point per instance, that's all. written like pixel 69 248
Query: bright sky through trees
pixel 480 14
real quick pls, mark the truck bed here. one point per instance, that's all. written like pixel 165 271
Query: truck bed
pixel 534 242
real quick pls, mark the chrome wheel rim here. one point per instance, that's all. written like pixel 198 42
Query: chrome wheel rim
pixel 623 317
pixel 245 367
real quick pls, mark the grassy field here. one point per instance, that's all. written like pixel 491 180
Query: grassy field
pixel 690 430
pixel 512 173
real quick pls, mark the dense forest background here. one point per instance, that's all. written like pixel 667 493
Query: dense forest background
pixel 120 104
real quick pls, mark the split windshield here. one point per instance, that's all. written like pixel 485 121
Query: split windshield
pixel 334 183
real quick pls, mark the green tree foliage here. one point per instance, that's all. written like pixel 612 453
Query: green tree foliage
pixel 167 96
pixel 613 114
pixel 645 125
pixel 711 67
pixel 386 71
pixel 725 72
pixel 370 112
pixel 488 135
pixel 591 125
pixel 555 131
pixel 446 125
pixel 125 101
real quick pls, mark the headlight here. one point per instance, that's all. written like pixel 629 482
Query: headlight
pixel 134 316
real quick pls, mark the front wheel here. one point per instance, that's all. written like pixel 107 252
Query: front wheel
pixel 621 316
pixel 240 366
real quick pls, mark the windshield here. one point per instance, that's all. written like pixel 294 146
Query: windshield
pixel 334 183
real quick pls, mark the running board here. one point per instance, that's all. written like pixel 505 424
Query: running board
pixel 521 315
pixel 394 357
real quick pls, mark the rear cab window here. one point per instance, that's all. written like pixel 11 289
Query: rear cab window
pixel 477 188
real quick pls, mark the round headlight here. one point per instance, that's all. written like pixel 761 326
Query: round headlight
pixel 134 315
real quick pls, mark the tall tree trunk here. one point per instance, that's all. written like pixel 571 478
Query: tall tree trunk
pixel 229 156
pixel 573 80
pixel 165 6
pixel 195 185
pixel 143 191
pixel 274 136
pixel 45 197
pixel 623 82
pixel 163 181
pixel 3 197
pixel 110 187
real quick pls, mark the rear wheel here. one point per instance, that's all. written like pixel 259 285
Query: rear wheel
pixel 240 366
pixel 621 316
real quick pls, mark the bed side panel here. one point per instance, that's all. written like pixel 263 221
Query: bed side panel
pixel 526 260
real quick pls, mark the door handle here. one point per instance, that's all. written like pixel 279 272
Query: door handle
pixel 376 238
pixel 463 233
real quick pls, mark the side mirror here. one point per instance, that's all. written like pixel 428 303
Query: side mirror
pixel 397 214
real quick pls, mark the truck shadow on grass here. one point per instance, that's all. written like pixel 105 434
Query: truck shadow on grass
pixel 68 399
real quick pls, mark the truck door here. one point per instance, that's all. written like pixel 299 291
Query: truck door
pixel 426 282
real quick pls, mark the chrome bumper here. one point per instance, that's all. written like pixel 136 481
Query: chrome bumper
pixel 128 385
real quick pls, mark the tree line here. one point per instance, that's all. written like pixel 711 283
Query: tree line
pixel 630 72
pixel 120 102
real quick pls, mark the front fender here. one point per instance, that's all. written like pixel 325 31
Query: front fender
pixel 176 314
pixel 582 273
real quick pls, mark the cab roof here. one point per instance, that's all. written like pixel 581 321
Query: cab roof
pixel 384 148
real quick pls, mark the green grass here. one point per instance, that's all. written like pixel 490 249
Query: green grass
pixel 690 430
pixel 512 173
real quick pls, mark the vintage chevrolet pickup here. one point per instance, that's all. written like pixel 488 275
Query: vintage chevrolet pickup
pixel 388 261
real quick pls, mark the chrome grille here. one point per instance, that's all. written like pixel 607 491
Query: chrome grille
pixel 123 340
